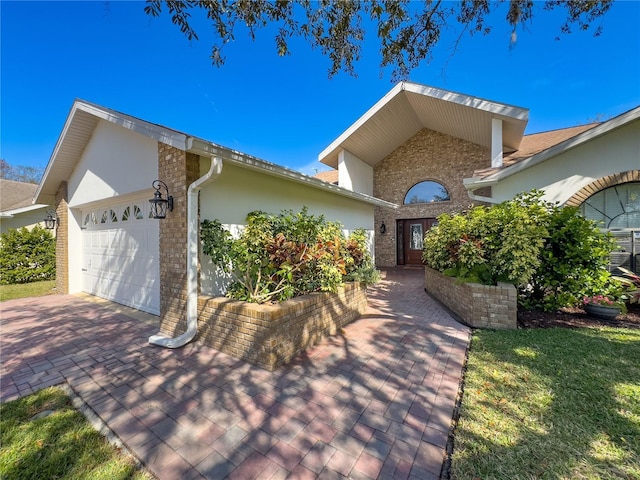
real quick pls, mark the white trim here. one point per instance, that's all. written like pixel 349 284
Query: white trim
pixel 556 150
pixel 17 211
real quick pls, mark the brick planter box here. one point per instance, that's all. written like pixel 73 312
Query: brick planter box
pixel 271 335
pixel 479 306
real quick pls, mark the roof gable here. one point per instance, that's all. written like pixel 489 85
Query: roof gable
pixel 410 107
pixel 84 117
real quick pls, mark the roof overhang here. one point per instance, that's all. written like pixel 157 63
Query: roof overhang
pixel 573 142
pixel 17 211
pixel 410 107
pixel 84 117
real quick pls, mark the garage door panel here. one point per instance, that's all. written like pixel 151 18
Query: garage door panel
pixel 120 257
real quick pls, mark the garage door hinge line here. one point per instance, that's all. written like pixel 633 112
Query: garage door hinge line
pixel 192 260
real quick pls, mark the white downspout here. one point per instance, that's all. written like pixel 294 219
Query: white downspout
pixel 192 260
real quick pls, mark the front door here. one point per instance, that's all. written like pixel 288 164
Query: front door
pixel 411 239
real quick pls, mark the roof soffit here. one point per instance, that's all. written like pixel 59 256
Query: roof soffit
pixel 410 107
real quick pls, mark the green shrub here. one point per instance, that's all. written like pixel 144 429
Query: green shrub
pixel 27 255
pixel 489 244
pixel 572 263
pixel 552 254
pixel 281 256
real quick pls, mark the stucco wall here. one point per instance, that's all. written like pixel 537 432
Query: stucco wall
pixel 562 176
pixel 27 219
pixel 238 191
pixel 428 155
pixel 116 161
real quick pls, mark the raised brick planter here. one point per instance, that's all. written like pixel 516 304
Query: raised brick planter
pixel 271 335
pixel 479 306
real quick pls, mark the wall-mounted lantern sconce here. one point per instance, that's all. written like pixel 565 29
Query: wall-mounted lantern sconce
pixel 51 220
pixel 160 205
pixel 383 228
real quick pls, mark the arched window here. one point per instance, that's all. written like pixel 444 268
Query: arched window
pixel 426 192
pixel 615 207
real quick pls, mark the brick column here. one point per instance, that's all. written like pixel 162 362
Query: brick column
pixel 178 169
pixel 62 240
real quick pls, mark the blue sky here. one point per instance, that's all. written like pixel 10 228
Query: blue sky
pixel 284 109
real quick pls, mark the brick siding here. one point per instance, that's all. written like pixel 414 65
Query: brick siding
pixel 62 240
pixel 479 306
pixel 178 169
pixel 428 155
pixel 594 187
pixel 271 335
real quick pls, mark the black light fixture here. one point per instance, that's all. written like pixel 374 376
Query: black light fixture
pixel 51 220
pixel 160 205
pixel 383 228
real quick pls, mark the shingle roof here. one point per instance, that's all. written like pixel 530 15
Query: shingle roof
pixel 536 143
pixel 330 176
pixel 15 195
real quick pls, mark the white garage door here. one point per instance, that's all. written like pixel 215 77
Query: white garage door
pixel 120 259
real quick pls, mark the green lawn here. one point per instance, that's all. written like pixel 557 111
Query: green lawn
pixel 550 404
pixel 60 445
pixel 25 290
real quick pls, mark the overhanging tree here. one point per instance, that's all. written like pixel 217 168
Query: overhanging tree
pixel 407 30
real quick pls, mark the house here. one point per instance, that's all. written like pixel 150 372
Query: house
pixel 100 177
pixel 432 151
pixel 16 206
pixel 418 152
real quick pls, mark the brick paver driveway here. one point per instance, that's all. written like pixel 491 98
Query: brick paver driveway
pixel 373 402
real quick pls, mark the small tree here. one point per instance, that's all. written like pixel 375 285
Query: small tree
pixel 27 255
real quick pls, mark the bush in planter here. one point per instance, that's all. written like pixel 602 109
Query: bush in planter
pixel 552 254
pixel 27 255
pixel 489 244
pixel 281 256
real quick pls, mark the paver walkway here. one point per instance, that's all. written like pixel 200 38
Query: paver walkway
pixel 373 402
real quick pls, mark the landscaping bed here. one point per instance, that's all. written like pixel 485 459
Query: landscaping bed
pixel 577 318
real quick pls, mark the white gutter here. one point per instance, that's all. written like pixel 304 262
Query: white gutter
pixel 192 260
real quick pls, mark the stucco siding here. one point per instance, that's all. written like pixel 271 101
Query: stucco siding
pixel 115 162
pixel 565 174
pixel 239 191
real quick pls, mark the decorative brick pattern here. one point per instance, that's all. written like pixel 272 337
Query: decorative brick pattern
pixel 594 187
pixel 480 306
pixel 178 169
pixel 271 335
pixel 62 239
pixel 428 155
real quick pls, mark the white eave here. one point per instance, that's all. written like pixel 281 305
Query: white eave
pixel 410 107
pixel 18 211
pixel 84 116
pixel 595 132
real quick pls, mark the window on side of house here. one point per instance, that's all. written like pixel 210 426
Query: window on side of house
pixel 428 191
pixel 614 208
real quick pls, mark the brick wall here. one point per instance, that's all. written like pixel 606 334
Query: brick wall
pixel 480 306
pixel 272 335
pixel 62 240
pixel 178 169
pixel 428 155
